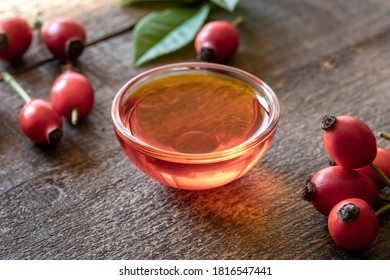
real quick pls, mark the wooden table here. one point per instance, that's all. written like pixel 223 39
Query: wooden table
pixel 84 199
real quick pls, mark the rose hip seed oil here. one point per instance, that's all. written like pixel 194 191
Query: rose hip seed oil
pixel 194 113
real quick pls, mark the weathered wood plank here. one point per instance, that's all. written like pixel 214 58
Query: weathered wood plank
pixel 280 35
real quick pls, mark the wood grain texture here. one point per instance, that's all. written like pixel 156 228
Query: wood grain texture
pixel 83 199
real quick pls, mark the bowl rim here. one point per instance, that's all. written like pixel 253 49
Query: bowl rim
pixel 126 135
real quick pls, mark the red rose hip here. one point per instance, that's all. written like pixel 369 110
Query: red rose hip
pixel 349 141
pixel 352 224
pixel 333 184
pixel 64 37
pixel 40 122
pixel 15 38
pixel 217 41
pixel 72 95
pixel 38 119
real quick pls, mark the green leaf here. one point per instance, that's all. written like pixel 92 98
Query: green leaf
pixel 160 33
pixel 229 5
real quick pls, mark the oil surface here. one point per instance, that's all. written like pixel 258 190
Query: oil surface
pixel 194 113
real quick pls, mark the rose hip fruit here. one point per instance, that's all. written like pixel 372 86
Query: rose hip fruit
pixel 15 38
pixel 217 41
pixel 349 141
pixel 72 95
pixel 64 37
pixel 382 160
pixel 333 184
pixel 352 224
pixel 39 121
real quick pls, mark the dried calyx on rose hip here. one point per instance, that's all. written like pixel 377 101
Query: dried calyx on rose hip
pixel 333 184
pixel 72 96
pixel 15 38
pixel 217 41
pixel 349 141
pixel 353 224
pixel 39 121
pixel 64 37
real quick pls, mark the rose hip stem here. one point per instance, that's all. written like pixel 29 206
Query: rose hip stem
pixel 12 82
pixel 380 173
pixel 382 210
pixel 384 135
pixel 75 116
pixel 38 21
pixel 238 20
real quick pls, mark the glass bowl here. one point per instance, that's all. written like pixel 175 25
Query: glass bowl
pixel 195 125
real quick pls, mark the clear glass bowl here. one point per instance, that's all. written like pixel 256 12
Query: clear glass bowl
pixel 187 166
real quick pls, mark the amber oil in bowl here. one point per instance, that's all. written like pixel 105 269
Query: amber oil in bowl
pixel 195 125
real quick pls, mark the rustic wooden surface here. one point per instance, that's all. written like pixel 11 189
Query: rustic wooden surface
pixel 83 199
